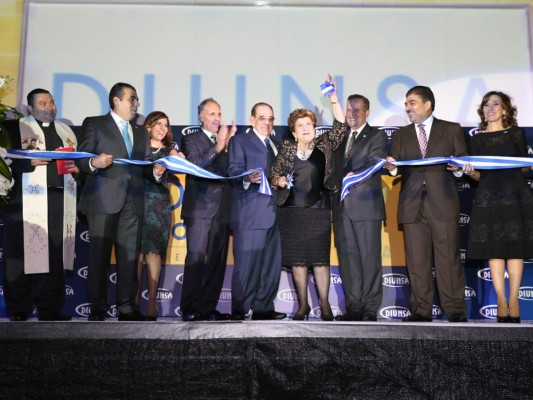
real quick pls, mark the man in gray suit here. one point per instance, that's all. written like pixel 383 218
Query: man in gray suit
pixel 113 200
pixel 428 207
pixel 358 219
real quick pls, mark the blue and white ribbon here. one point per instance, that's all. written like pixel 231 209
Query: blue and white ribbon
pixel 327 88
pixel 478 162
pixel 290 180
pixel 172 163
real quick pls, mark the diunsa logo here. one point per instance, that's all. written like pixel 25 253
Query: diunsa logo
pixel 1 290
pixel 526 293
pixel 113 278
pixel 490 311
pixel 177 311
pixel 322 129
pixel 486 276
pixel 83 309
pixel 389 130
pixel 179 278
pixel 83 272
pixel 335 280
pixel 394 312
pixel 474 131
pixel 85 236
pixel 190 129
pixel 288 295
pixel 395 280
pixel 69 291
pixel 469 293
pixel 225 295
pixel 436 311
pixel 464 219
pixel 461 184
pixel 161 296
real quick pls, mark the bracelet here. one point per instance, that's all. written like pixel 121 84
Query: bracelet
pixel 470 174
pixel 334 102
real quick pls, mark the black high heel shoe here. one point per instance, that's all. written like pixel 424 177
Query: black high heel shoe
pixel 513 320
pixel 502 319
pixel 327 316
pixel 303 316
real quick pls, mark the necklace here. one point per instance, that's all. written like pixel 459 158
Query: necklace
pixel 305 154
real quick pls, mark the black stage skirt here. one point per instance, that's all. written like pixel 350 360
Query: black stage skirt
pixel 305 236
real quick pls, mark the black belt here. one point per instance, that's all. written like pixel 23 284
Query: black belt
pixel 55 188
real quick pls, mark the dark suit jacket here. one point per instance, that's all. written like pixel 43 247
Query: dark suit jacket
pixel 445 139
pixel 250 209
pixel 104 190
pixel 365 201
pixel 204 197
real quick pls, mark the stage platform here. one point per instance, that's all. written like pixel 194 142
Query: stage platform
pixel 169 359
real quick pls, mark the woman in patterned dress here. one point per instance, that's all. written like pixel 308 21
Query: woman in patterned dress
pixel 156 222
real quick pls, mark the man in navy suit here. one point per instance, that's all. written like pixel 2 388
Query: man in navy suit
pixel 113 200
pixel 206 215
pixel 358 219
pixel 256 238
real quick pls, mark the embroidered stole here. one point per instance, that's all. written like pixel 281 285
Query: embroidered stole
pixel 35 201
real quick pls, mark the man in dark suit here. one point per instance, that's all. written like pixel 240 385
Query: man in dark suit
pixel 113 199
pixel 428 207
pixel 256 238
pixel 40 218
pixel 206 215
pixel 358 219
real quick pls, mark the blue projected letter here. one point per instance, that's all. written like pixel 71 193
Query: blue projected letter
pixel 386 84
pixel 289 87
pixel 149 83
pixel 61 79
pixel 475 85
pixel 240 100
pixel 196 84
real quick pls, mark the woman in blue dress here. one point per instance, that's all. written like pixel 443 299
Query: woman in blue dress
pixel 157 208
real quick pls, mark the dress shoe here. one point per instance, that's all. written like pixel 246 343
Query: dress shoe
pixel 513 320
pixel 218 316
pixel 326 314
pixel 457 317
pixel 349 316
pixel 151 319
pixel 502 319
pixel 18 317
pixel 237 316
pixel 369 316
pixel 55 317
pixel 270 315
pixel 131 316
pixel 96 316
pixel 416 318
pixel 192 317
pixel 302 316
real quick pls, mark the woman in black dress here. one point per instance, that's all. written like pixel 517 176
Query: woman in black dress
pixel 157 208
pixel 304 216
pixel 501 225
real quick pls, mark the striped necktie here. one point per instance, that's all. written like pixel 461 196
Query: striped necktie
pixel 422 140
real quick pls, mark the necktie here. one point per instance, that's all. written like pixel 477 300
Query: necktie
pixel 214 139
pixel 351 142
pixel 271 153
pixel 422 140
pixel 126 137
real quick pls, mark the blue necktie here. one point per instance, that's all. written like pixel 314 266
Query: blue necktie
pixel 271 153
pixel 126 137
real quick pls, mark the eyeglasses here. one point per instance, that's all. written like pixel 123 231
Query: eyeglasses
pixel 266 119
